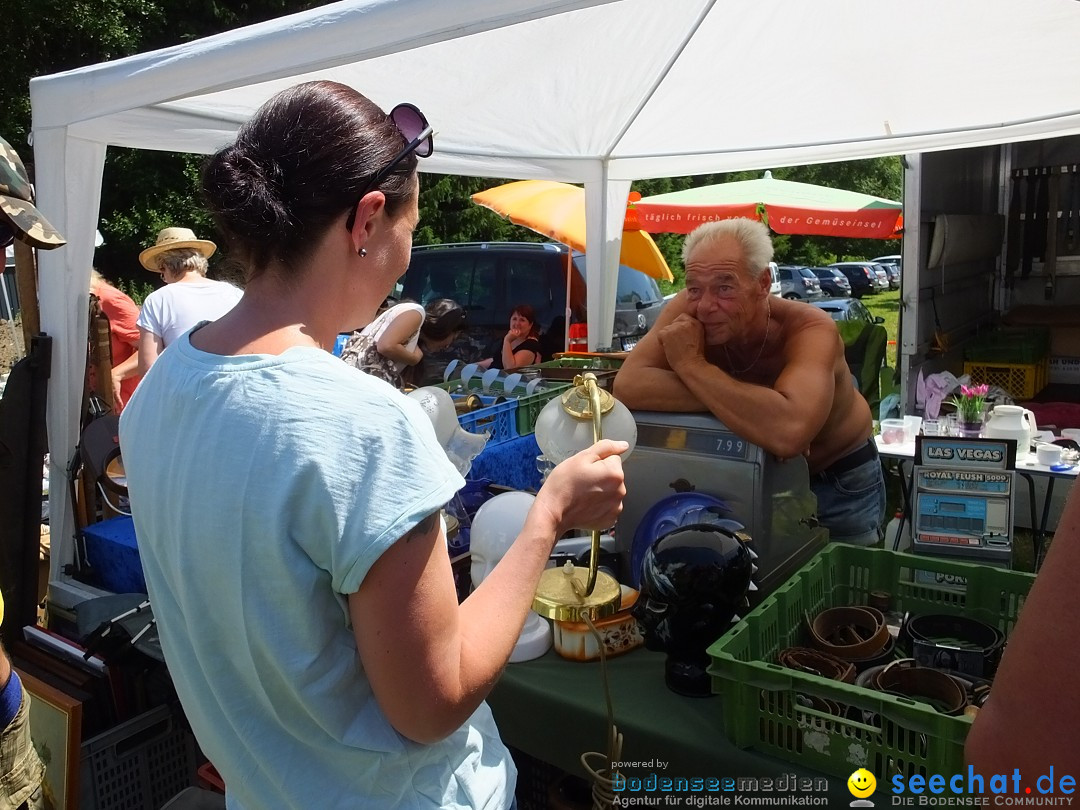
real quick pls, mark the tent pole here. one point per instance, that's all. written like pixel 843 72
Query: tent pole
pixel 569 277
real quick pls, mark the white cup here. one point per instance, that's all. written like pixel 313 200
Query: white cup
pixel 1071 433
pixel 912 425
pixel 1048 454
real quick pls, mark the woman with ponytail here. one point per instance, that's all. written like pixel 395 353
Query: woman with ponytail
pixel 287 504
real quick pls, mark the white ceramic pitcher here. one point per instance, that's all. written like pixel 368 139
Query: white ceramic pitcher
pixel 1011 422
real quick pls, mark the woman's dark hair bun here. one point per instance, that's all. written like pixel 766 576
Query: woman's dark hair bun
pixel 246 194
pixel 299 164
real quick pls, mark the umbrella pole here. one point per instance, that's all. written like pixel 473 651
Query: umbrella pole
pixel 566 320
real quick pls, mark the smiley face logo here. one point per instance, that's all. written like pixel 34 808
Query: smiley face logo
pixel 861 783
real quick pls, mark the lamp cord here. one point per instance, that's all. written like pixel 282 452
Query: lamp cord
pixel 601 774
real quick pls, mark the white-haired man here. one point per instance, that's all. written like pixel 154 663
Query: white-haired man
pixel 773 371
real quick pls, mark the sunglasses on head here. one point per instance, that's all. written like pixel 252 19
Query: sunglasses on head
pixel 418 136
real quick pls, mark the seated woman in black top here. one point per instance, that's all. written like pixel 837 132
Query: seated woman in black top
pixel 521 345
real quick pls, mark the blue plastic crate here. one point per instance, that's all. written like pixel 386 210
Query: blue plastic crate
pixel 499 421
pixel 113 553
pixel 339 342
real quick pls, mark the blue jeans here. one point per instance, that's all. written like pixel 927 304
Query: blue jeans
pixel 851 504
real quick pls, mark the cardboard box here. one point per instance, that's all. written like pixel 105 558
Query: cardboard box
pixel 1065 370
pixel 1061 319
pixel 1065 341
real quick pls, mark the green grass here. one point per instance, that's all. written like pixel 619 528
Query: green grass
pixel 887 305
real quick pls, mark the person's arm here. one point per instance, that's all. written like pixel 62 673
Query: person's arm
pixel 645 381
pixel 127 368
pixel 672 374
pixel 783 419
pixel 508 358
pixel 150 346
pixel 523 356
pixel 1032 718
pixel 430 661
pixel 393 342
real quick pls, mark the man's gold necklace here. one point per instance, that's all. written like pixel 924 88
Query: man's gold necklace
pixel 768 325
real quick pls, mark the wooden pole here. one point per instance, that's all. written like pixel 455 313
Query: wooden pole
pixel 101 357
pixel 26 284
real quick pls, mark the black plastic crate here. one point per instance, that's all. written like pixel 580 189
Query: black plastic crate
pixel 140 764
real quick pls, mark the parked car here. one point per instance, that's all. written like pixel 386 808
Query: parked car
pixel 892 273
pixel 862 276
pixel 775 288
pixel 490 278
pixel 799 283
pixel 833 283
pixel 894 258
pixel 848 309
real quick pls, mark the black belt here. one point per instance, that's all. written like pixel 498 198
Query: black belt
pixel 856 458
pixel 953 642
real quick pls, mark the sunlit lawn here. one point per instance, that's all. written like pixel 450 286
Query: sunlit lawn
pixel 887 305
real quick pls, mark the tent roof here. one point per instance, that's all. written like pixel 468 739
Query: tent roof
pixel 594 91
pixel 656 89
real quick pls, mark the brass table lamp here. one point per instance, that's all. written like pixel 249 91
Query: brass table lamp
pixel 567 425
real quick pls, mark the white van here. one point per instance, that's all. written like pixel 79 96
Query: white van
pixel 775 272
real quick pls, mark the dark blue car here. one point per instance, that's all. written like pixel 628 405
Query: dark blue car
pixel 833 283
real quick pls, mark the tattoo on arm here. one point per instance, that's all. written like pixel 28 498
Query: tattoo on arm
pixel 423 528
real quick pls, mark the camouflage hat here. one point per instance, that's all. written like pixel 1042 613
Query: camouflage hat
pixel 16 204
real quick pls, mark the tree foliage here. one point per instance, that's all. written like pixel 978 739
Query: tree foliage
pixel 144 191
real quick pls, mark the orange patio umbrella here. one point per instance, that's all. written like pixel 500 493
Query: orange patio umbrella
pixel 557 210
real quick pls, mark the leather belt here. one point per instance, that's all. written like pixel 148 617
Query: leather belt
pixel 856 458
pixel 906 678
pixel 816 662
pixel 953 642
pixel 849 633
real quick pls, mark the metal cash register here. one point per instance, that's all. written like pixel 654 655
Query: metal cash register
pixel 679 452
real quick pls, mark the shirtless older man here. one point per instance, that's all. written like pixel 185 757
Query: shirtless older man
pixel 773 371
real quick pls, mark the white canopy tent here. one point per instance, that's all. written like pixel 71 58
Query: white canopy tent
pixel 586 91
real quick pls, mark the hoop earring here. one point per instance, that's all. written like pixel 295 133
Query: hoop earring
pixel 362 252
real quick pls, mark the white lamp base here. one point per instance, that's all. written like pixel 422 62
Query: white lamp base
pixel 534 641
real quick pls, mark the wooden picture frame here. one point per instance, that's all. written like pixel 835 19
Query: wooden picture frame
pixel 56 731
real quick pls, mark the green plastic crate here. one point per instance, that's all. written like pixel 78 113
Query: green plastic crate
pixel 591 362
pixel 895 734
pixel 1016 346
pixel 529 406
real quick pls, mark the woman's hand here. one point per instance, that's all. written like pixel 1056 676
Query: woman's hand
pixel 586 490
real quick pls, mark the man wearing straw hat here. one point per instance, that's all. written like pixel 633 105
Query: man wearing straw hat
pixel 188 297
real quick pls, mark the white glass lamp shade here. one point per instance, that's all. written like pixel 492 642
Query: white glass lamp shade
pixel 561 435
pixel 460 446
pixel 495 527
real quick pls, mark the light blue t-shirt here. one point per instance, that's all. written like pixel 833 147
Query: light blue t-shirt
pixel 263 488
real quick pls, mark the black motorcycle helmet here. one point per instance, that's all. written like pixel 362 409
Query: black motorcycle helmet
pixel 694 580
